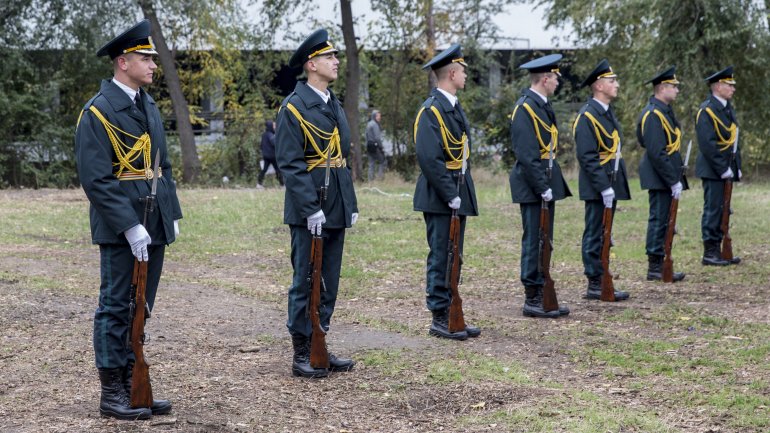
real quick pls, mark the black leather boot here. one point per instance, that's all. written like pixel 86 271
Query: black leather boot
pixel 301 363
pixel 159 407
pixel 440 326
pixel 712 255
pixel 533 304
pixel 655 269
pixel 115 402
pixel 340 364
pixel 594 290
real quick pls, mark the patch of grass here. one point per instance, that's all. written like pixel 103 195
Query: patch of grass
pixel 391 363
pixel 473 367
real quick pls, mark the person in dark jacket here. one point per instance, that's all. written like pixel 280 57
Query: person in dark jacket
pixel 719 159
pixel 268 154
pixel 312 129
pixel 661 168
pixel 374 150
pixel 441 136
pixel 598 144
pixel 534 138
pixel 118 136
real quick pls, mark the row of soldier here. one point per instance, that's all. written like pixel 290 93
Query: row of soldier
pixel 120 138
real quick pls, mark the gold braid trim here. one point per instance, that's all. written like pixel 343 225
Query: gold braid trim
pixel 447 137
pixel 310 130
pixel 605 153
pixel 671 145
pixel 545 149
pixel 726 143
pixel 126 154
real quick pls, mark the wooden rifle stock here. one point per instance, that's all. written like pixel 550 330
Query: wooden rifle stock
pixel 668 262
pixel 550 303
pixel 319 356
pixel 608 288
pixel 727 241
pixel 454 261
pixel 141 390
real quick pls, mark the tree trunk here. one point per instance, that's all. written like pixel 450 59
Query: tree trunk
pixel 430 35
pixel 352 86
pixel 191 165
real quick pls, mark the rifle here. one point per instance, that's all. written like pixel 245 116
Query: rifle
pixel 139 311
pixel 319 356
pixel 727 241
pixel 608 288
pixel 550 303
pixel 455 260
pixel 668 263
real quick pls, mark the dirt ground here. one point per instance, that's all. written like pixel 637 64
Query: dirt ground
pixel 223 358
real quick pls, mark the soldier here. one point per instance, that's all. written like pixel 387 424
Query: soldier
pixel 534 135
pixel 660 170
pixel 598 140
pixel 119 133
pixel 716 127
pixel 311 129
pixel 442 143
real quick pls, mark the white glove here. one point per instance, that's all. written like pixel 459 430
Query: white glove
pixel 608 195
pixel 353 218
pixel 740 175
pixel 547 195
pixel 315 221
pixel 176 228
pixel 138 237
pixel 676 190
pixel 455 203
pixel 727 174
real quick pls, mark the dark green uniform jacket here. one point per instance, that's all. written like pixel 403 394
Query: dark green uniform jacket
pixel 713 156
pixel 594 177
pixel 528 177
pixel 658 169
pixel 293 151
pixel 437 185
pixel 115 205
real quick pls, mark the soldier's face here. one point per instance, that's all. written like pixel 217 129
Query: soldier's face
pixel 668 92
pixel 551 83
pixel 139 68
pixel 609 86
pixel 458 76
pixel 325 65
pixel 724 90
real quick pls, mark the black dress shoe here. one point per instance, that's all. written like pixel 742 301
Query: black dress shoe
pixel 114 401
pixel 734 260
pixel 340 364
pixel 472 331
pixel 300 365
pixel 159 407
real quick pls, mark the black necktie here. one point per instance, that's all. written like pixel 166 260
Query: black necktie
pixel 549 111
pixel 139 104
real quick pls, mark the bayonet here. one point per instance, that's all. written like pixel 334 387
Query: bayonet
pixel 687 156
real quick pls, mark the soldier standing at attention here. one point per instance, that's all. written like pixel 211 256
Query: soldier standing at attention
pixel 118 136
pixel 534 136
pixel 311 129
pixel 716 127
pixel 441 139
pixel 598 140
pixel 660 170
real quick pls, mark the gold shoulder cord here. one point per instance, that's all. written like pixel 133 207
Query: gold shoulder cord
pixel 605 153
pixel 726 143
pixel 309 131
pixel 545 149
pixel 447 137
pixel 126 154
pixel 671 145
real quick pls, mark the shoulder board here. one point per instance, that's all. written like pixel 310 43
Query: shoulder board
pixel 91 101
pixel 705 103
pixel 286 99
pixel 521 100
pixel 429 102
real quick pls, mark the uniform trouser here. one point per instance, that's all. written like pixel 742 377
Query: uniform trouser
pixel 111 320
pixel 657 222
pixel 592 238
pixel 530 242
pixel 266 163
pixel 438 294
pixel 713 201
pixel 299 292
pixel 376 159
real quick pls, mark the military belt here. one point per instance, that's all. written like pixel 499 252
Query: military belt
pixel 321 163
pixel 147 175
